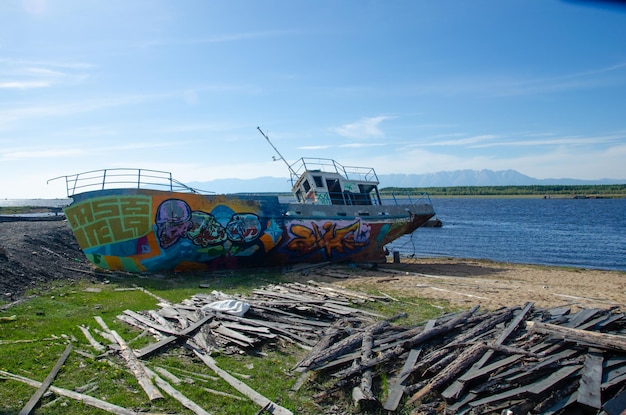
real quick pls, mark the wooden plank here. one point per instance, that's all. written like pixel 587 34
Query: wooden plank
pixel 613 377
pixel 256 397
pixel 455 389
pixel 589 392
pixel 95 344
pixel 534 389
pixel 409 344
pixel 138 369
pixel 145 351
pixel 616 405
pixel 611 319
pixel 581 317
pixel 396 389
pixel 234 336
pixel 330 335
pixel 150 323
pixel 32 402
pixel 466 358
pixel 86 399
pixel 171 391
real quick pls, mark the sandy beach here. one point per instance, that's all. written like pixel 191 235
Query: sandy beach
pixel 466 282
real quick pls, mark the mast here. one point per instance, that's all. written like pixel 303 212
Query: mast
pixel 280 156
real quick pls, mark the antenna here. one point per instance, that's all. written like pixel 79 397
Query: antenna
pixel 280 156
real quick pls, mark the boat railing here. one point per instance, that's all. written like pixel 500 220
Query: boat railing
pixel 123 178
pixel 331 166
pixel 422 198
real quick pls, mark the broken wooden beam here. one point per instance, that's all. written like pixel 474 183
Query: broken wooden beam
pixel 86 399
pixel 32 402
pixel 599 340
pixel 246 390
pixel 170 339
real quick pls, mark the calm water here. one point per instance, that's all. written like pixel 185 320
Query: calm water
pixel 585 233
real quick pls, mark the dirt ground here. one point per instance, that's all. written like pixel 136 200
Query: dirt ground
pixel 36 253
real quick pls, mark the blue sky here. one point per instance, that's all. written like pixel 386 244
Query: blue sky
pixel 405 86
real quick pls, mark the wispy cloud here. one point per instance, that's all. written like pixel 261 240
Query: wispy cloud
pixel 33 112
pixel 30 74
pixel 315 147
pixel 39 154
pixel 565 141
pixel 219 38
pixel 592 78
pixel 364 128
pixel 24 84
pixel 361 145
pixel 526 140
pixel 466 141
pixel 21 154
pixel 25 63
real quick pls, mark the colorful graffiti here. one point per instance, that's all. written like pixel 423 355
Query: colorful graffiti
pixel 332 238
pixel 106 220
pixel 126 232
pixel 147 230
pixel 175 221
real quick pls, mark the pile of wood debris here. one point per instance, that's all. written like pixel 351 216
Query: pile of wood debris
pixel 518 360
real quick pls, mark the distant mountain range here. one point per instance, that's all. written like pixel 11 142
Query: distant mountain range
pixel 439 179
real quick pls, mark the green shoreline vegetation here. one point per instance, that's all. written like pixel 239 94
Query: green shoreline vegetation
pixel 35 331
pixel 547 191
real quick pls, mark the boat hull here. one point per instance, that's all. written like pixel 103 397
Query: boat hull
pixel 139 230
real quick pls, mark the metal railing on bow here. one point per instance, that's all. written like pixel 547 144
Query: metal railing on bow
pixel 123 178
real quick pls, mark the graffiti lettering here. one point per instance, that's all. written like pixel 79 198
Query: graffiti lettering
pixel 102 221
pixel 329 238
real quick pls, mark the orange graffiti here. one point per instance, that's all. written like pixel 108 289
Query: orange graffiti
pixel 329 238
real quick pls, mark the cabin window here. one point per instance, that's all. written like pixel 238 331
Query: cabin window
pixel 299 195
pixel 318 181
pixel 306 185
pixel 366 188
pixel 334 191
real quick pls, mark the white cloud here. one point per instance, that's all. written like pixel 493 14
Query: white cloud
pixel 315 147
pixel 24 84
pixel 50 153
pixel 364 128
pixel 361 145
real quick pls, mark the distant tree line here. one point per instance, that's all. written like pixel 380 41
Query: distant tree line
pixel 611 190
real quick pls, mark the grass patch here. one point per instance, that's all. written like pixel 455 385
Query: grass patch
pixel 31 344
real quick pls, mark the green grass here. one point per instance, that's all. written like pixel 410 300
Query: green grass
pixel 31 344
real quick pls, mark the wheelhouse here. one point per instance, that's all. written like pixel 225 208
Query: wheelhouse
pixel 326 182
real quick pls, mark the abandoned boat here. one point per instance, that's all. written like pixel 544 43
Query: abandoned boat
pixel 141 220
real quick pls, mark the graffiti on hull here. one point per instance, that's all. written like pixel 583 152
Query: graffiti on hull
pixel 175 221
pixel 124 232
pixel 330 238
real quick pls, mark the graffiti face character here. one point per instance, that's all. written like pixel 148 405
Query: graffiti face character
pixel 243 227
pixel 173 221
pixel 205 230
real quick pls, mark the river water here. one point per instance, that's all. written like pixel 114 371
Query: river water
pixel 585 233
